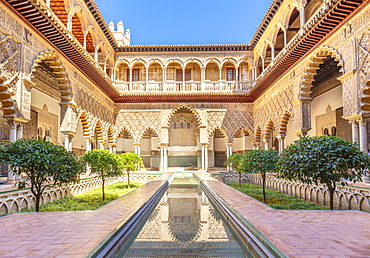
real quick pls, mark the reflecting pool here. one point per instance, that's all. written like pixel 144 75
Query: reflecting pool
pixel 184 224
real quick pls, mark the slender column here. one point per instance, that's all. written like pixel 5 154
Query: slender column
pixel 12 131
pixel 302 16
pixel 105 65
pixel 363 134
pixel 161 160
pixel 146 78
pixel 164 78
pixel 165 158
pixel 137 149
pixel 206 157
pixel 114 74
pixel 285 36
pixel 236 78
pixel 20 130
pixel 66 141
pixel 266 141
pixel 202 78
pixel 263 63
pixel 96 54
pixel 69 22
pixel 281 142
pixel 272 51
pixel 70 148
pixel 87 145
pixel 203 157
pixel 12 138
pixel 48 3
pixel 85 35
pixel 130 85
pixel 355 136
pixel 183 79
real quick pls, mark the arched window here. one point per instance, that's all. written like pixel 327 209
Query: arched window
pixel 326 132
pixel 333 131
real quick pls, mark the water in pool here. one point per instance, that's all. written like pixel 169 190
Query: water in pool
pixel 184 224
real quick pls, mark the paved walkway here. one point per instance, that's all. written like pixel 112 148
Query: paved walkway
pixel 67 234
pixel 304 233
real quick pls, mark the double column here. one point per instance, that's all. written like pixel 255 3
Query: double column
pixel 204 157
pixel 164 157
pixel 229 152
pixel 68 136
pixel 359 135
pixel 15 133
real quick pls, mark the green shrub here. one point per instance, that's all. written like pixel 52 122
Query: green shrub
pixel 90 200
pixel 275 199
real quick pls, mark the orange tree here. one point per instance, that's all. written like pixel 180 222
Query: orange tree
pixel 44 164
pixel 236 161
pixel 130 162
pixel 326 160
pixel 104 164
pixel 261 161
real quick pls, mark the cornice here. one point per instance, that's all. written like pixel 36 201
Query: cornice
pixel 265 22
pixel 185 48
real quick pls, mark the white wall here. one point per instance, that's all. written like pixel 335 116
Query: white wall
pixel 78 140
pixel 290 134
pixel 125 145
pixel 332 97
pixel 39 99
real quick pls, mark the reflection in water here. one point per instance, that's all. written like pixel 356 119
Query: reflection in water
pixel 184 224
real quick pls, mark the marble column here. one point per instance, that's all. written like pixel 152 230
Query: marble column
pixel 363 134
pixel 355 132
pixel 302 16
pixel 266 141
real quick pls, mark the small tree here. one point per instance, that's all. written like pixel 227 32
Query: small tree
pixel 44 163
pixel 323 159
pixel 261 161
pixel 104 163
pixel 236 161
pixel 130 162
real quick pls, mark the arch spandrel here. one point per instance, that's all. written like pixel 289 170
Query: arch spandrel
pixel 187 107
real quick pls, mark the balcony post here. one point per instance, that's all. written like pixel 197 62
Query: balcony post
pixel 130 82
pixel 202 78
pixel 146 78
pixel 183 79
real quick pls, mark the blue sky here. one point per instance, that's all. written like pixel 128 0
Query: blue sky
pixel 194 22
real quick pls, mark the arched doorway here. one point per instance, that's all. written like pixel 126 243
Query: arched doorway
pixel 327 103
pixel 183 150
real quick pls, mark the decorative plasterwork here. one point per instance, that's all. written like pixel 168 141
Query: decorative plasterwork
pixel 52 59
pixel 137 122
pixel 363 50
pixel 314 64
pixel 9 70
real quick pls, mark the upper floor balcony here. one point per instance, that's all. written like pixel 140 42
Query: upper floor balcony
pixel 183 77
pixel 186 86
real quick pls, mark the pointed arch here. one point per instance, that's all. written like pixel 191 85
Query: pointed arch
pixel 284 123
pixel 257 135
pixel 85 119
pixel 187 107
pixel 51 58
pixel 314 64
pixel 269 129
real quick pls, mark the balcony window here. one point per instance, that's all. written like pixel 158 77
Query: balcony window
pixel 179 75
pixel 135 75
pixel 231 74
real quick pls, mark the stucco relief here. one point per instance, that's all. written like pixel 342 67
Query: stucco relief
pixel 273 109
pixel 229 122
pixel 136 122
